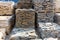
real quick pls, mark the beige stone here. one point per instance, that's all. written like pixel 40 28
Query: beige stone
pixel 2 33
pixel 6 22
pixel 6 8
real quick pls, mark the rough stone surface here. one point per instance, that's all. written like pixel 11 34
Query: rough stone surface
pixel 23 34
pixel 6 8
pixel 25 18
pixel 45 17
pixel 43 5
pixel 24 4
pixel 49 30
pixel 6 22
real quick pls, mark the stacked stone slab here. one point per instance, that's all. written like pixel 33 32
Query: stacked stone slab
pixel 47 30
pixel 25 18
pixel 6 22
pixel 45 9
pixel 23 34
pixel 6 8
pixel 24 4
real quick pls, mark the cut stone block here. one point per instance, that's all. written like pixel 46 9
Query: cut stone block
pixel 7 22
pixel 23 4
pixel 23 34
pixel 25 18
pixel 47 30
pixel 6 8
pixel 45 17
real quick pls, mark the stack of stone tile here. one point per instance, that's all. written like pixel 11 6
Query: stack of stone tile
pixel 44 10
pixel 24 4
pixel 6 22
pixel 6 8
pixel 25 18
pixel 47 30
pixel 23 34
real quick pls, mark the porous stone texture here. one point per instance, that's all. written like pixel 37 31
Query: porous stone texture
pixel 24 4
pixel 23 34
pixel 47 30
pixel 6 8
pixel 7 22
pixel 25 18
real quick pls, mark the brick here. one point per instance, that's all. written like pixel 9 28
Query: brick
pixel 25 18
pixel 6 8
pixel 23 34
pixel 45 5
